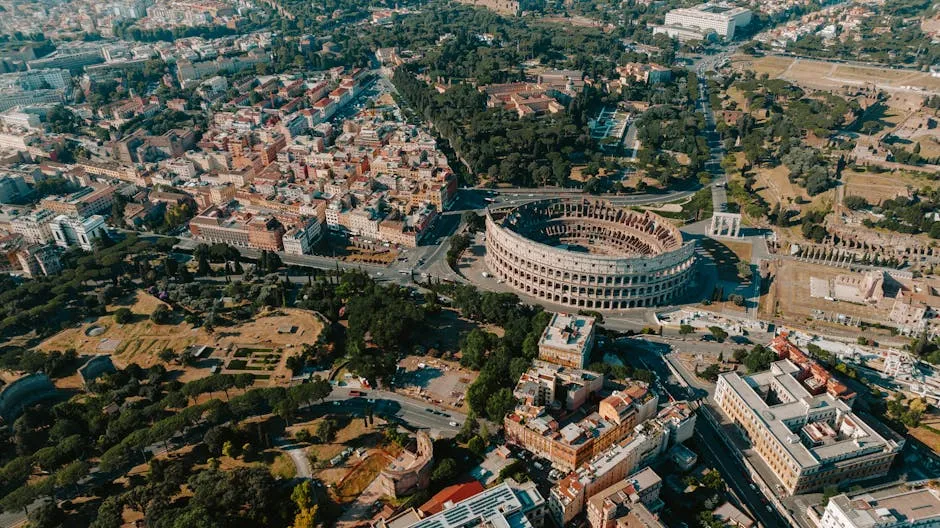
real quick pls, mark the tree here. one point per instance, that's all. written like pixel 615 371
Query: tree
pixel 686 329
pixel 303 497
pixel 110 513
pixel 744 270
pixel 123 315
pixel 855 202
pixel 166 355
pixel 759 359
pixel 474 221
pixel 202 268
pixel 500 404
pixel 718 333
pixel 477 445
pixel 444 472
pixel 70 475
pixel 46 515
pixel 710 373
pixel 828 493
pixel 326 430
pixel 160 314
pixel 469 427
pixel 713 481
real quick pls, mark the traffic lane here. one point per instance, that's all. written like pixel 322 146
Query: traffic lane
pixel 409 410
pixel 650 355
pixel 389 410
pixel 734 473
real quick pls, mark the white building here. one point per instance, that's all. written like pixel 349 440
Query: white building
pixel 567 340
pixel 301 240
pixel 891 509
pixel 720 19
pixel 809 441
pixel 35 226
pixel 70 231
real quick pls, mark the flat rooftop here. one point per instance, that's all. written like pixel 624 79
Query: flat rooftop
pixel 784 407
pixel 906 507
pixel 502 506
pixel 720 10
pixel 567 331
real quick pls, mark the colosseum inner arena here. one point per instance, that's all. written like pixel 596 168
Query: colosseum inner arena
pixel 589 253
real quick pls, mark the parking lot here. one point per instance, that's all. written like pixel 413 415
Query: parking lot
pixel 434 380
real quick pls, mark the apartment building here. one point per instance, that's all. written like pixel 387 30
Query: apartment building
pixel 814 377
pixel 649 440
pixel 238 228
pixel 13 189
pixel 808 441
pixel 33 87
pixel 265 233
pixel 301 239
pixel 569 443
pixel 567 340
pixel 892 508
pixel 630 502
pixel 546 384
pixel 72 59
pixel 35 226
pixel 38 260
pixel 215 225
pixel 94 199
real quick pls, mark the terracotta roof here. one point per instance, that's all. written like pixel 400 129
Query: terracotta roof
pixel 454 494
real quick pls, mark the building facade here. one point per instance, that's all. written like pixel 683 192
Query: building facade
pixel 568 445
pixel 629 502
pixel 647 441
pixel 722 20
pixel 35 226
pixel 892 508
pixel 808 441
pixel 69 231
pixel 509 504
pixel 567 340
pixel 589 254
pixel 411 471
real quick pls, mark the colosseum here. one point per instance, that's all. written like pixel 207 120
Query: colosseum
pixel 588 253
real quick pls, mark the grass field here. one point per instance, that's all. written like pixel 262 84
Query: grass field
pixel 283 466
pixel 141 340
pixel 773 185
pixel 792 293
pixel 831 76
pixel 360 476
pixel 876 187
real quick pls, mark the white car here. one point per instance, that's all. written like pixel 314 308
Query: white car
pixel 453 424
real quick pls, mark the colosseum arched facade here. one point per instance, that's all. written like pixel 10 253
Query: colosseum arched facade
pixel 589 254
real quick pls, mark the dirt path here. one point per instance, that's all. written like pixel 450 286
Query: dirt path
pixel 299 456
pixel 359 511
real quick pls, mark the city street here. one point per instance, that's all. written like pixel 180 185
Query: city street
pixel 651 355
pixel 392 405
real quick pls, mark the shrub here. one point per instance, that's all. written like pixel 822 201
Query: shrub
pixel 123 316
